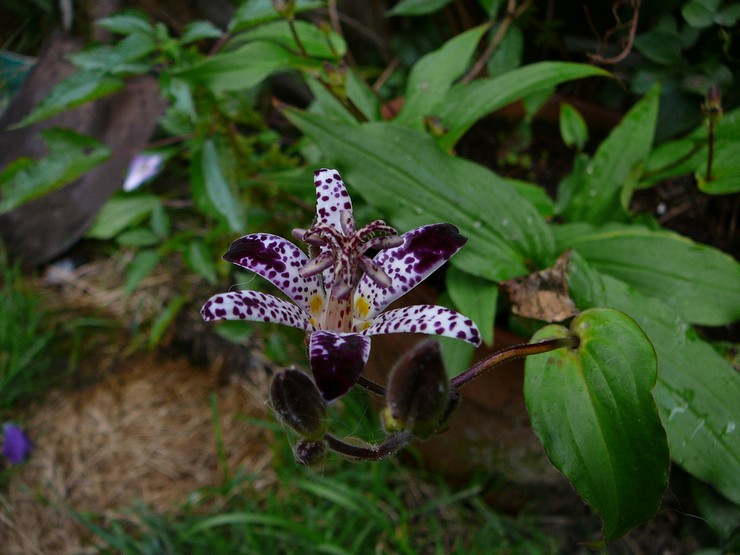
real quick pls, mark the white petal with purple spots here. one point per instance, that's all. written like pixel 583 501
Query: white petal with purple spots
pixel 424 249
pixel 254 306
pixel 425 318
pixel 279 261
pixel 331 198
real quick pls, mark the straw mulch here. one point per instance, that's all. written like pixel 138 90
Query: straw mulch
pixel 145 433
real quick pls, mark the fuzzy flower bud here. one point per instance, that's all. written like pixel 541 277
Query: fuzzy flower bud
pixel 298 403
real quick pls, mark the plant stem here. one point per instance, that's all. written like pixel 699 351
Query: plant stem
pixel 371 386
pixel 371 452
pixel 510 353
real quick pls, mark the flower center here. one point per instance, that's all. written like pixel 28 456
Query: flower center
pixel 342 260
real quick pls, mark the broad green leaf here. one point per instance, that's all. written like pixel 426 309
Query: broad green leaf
pixel 417 7
pixel 688 155
pixel 535 194
pixel 508 54
pixel 119 58
pixel 697 14
pixel 573 128
pixel 70 155
pixel 476 298
pixel 76 89
pixel 165 318
pixel 700 282
pixel 660 46
pixel 199 30
pixel 326 104
pixel 200 260
pixel 594 413
pixel 360 93
pixel 316 43
pixel 141 266
pixel 255 12
pixel 120 212
pixel 402 172
pixel 126 24
pixel 432 76
pixel 221 194
pixel 697 389
pixel 465 104
pixel 138 237
pixel 242 68
pixel 596 197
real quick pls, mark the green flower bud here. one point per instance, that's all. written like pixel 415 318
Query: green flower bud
pixel 298 403
pixel 418 391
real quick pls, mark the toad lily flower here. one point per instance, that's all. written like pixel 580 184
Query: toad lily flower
pixel 339 295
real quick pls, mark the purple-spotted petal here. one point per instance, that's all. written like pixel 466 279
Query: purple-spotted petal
pixel 337 360
pixel 424 249
pixel 426 318
pixel 254 306
pixel 279 261
pixel 331 198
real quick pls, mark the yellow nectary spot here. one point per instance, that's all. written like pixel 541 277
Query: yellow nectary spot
pixel 362 307
pixel 317 303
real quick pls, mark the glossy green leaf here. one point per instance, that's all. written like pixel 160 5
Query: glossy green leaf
pixel 76 89
pixel 476 298
pixel 255 12
pixel 125 24
pixel 242 68
pixel 138 237
pixel 125 56
pixel 70 154
pixel 200 260
pixel 508 54
pixel 199 30
pixel 221 193
pixel 432 76
pixel 700 282
pixel 315 42
pixel 593 411
pixel 572 127
pixel 697 389
pixel 465 104
pixel 120 212
pixel 141 266
pixel 535 194
pixel 596 197
pixel 403 173
pixel 416 7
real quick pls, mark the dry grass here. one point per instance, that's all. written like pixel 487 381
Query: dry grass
pixel 143 430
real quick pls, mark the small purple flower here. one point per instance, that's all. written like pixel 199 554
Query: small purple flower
pixel 16 445
pixel 340 294
pixel 142 168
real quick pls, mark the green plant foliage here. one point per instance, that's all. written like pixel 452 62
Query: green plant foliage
pixel 73 91
pixel 593 411
pixel 242 68
pixel 432 76
pixel 701 283
pixel 255 12
pixel 474 297
pixel 404 173
pixel 597 193
pixel 24 340
pixel 315 42
pixel 465 104
pixel 697 389
pixel 70 155
pixel 572 127
pixel 143 263
pixel 221 193
pixel 416 7
pixel 120 212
